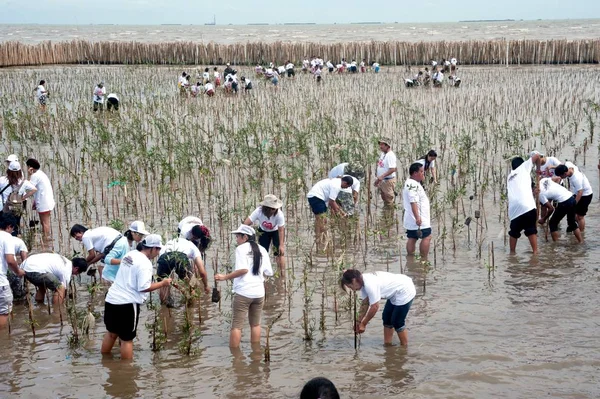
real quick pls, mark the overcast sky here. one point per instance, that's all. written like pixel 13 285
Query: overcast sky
pixel 145 12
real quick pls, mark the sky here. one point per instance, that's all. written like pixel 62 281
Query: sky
pixel 150 12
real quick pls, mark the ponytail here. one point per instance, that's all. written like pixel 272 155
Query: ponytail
pixel 256 255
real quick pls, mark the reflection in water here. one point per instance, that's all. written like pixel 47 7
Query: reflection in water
pixel 122 378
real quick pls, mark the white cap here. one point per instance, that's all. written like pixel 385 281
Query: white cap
pixel 12 158
pixel 152 241
pixel 14 166
pixel 138 227
pixel 244 229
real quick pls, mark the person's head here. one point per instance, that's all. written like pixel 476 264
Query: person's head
pixel 319 388
pixel 183 74
pixel 32 165
pixel 431 156
pixel 347 181
pixel 416 171
pixel 270 205
pixel 42 82
pixel 78 265
pixel 77 231
pixel 8 222
pixel 205 69
pixel 137 231
pixel 201 237
pixel 562 171
pixel 14 173
pixel 352 279
pixel 101 84
pixel 384 144
pixel 150 245
pixel 243 78
pixel 246 234
pixel 516 162
pixel 215 69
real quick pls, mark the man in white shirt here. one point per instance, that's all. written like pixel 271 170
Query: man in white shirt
pixel 522 210
pixel 53 272
pixel 386 172
pixel 323 195
pixel 99 92
pixel 112 102
pixel 548 164
pixel 417 220
pixel 580 186
pixel 44 196
pixel 550 191
pixel 97 242
pixel 8 261
pixel 348 197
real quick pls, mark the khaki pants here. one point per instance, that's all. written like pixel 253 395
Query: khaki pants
pixel 386 187
pixel 250 307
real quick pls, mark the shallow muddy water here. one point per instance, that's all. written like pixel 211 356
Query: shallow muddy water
pixel 528 328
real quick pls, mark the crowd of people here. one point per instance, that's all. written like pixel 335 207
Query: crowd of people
pixel 435 77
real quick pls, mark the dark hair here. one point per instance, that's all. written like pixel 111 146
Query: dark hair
pixel 350 275
pixel 42 82
pixel 215 68
pixel 78 228
pixel 348 180
pixel 430 153
pixel 516 162
pixel 33 163
pixel 268 211
pixel 414 168
pixel 205 69
pixel 81 264
pixel 7 220
pixel 256 255
pixel 14 176
pixel 319 388
pixel 202 237
pixel 128 235
pixel 560 170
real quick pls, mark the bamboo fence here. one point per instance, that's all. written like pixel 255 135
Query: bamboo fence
pixel 386 53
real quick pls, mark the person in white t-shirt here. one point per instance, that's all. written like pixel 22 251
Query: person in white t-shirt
pixel 438 79
pixel 399 291
pixel 99 93
pixel 252 264
pixel 522 210
pixel 271 227
pixel 51 271
pixel 289 67
pixel 97 242
pixel 217 76
pixel 386 172
pixel 375 67
pixel 42 94
pixel 550 191
pixel 548 165
pixel 323 195
pixel 196 89
pixel 580 186
pixel 247 84
pixel 112 102
pixel 44 196
pixel 130 290
pixel 428 162
pixel 9 262
pixel 348 197
pixel 16 283
pixel 417 220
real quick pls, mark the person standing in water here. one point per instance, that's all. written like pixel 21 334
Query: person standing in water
pixel 386 172
pixel 522 210
pixel 580 186
pixel 99 93
pixel 43 198
pixel 550 191
pixel 417 220
pixel 399 291
pixel 42 94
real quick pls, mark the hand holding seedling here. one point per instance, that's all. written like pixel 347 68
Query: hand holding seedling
pixel 360 328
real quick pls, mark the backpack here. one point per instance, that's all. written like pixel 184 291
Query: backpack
pixel 14 204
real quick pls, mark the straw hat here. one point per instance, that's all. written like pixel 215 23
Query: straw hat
pixel 385 140
pixel 272 201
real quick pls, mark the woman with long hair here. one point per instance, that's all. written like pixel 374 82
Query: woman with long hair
pixel 428 162
pixel 252 264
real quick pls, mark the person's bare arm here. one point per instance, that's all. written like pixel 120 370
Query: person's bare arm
pixel 335 208
pixel 199 265
pixel 578 196
pixel 355 196
pixel 160 284
pixel 281 233
pixel 230 276
pixel 248 222
pixel 415 209
pixel 547 210
pixel 383 176
pixel 11 261
pixel 434 174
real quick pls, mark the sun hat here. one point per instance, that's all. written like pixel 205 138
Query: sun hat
pixel 244 229
pixel 12 158
pixel 14 166
pixel 138 227
pixel 385 140
pixel 272 201
pixel 152 241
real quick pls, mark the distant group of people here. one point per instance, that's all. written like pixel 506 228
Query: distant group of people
pixel 435 76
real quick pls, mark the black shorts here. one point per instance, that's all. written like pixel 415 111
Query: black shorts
pixel 248 86
pixel 583 205
pixel 122 320
pixel 290 73
pixel 330 69
pixel 526 221
pixel 98 106
pixel 266 237
pixel 565 208
pixel 177 261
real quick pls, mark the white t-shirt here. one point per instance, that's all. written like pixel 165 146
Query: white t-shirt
pixel 249 285
pixel 413 192
pixel 375 65
pixel 41 91
pixel 99 93
pixel 56 264
pixel 113 95
pixel 195 89
pixel 20 246
pixel 182 81
pixel 326 189
pixel 205 75
pixel 209 87
pixel 520 196
pixel 578 181
pixel 7 247
pixel 439 76
pixel 134 276
pixel 338 170
pixel 267 224
pixel 453 61
pixel 551 191
pixel 25 187
pixel 387 161
pixel 99 238
pixel 44 196
pixel 180 244
pixel 289 66
pixel 550 162
pixel 398 288
pixel 422 162
pixel 329 65
pixel 185 230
